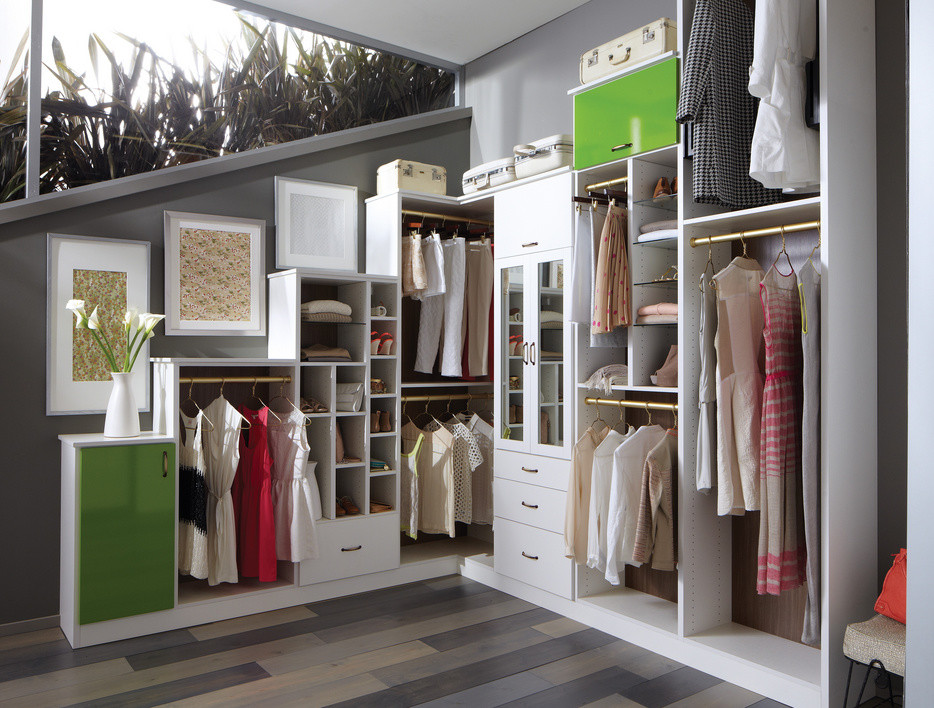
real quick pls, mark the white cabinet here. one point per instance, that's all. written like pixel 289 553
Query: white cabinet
pixel 534 216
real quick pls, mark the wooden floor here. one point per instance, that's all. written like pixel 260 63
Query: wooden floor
pixel 448 641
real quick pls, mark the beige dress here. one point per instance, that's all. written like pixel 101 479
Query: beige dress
pixel 740 381
pixel 435 463
pixel 612 305
pixel 578 502
pixel 414 275
pixel 655 528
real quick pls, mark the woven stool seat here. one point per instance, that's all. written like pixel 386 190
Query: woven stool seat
pixel 879 638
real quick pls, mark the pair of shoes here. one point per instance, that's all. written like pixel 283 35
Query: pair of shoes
pixel 515 414
pixel 515 344
pixel 378 507
pixel 663 189
pixel 379 422
pixel 380 344
pixel 312 405
pixel 346 507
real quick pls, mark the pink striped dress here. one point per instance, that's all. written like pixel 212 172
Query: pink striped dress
pixel 782 555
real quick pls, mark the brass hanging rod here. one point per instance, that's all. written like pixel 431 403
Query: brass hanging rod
pixel 652 405
pixel 233 379
pixel 604 185
pixel 756 233
pixel 447 217
pixel 454 397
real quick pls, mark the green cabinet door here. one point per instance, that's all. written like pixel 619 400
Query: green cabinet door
pixel 126 531
pixel 633 114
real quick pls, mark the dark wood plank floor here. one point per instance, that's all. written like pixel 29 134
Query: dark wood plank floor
pixel 444 642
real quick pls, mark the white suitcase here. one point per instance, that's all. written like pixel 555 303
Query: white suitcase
pixel 633 47
pixel 411 176
pixel 490 174
pixel 543 155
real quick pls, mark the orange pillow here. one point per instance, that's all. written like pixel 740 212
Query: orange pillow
pixel 891 602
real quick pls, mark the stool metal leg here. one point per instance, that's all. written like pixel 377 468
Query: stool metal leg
pixel 849 675
pixel 862 689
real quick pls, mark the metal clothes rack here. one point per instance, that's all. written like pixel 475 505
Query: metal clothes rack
pixel 233 379
pixel 756 233
pixel 454 397
pixel 644 405
pixel 603 185
pixel 447 217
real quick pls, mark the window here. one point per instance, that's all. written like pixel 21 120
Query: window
pixel 14 39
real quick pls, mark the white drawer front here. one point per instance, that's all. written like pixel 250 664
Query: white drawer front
pixel 530 504
pixel 532 556
pixel 534 217
pixel 353 547
pixel 532 469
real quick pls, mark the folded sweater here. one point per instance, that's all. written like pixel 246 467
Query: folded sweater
pixel 661 308
pixel 664 225
pixel 656 319
pixel 334 306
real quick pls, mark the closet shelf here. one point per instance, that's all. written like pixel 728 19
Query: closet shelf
pixel 326 414
pixel 382 395
pixel 655 324
pixel 670 243
pixel 383 434
pixel 383 356
pixel 659 284
pixel 638 606
pixel 807 209
pixel 668 202
pixel 382 473
pixel 645 389
pixel 383 318
pixel 445 384
pixel 331 363
pixel 347 465
pixel 349 414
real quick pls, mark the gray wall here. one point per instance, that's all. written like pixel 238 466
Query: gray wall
pixel 29 473
pixel 519 92
pixel 892 214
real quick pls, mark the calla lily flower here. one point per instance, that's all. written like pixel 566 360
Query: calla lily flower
pixel 94 320
pixel 138 328
pixel 81 317
pixel 148 322
pixel 131 320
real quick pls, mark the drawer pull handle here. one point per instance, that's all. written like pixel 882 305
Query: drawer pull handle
pixel 352 548
pixel 529 244
pixel 530 506
pixel 165 463
pixel 621 147
pixel 534 558
pixel 529 469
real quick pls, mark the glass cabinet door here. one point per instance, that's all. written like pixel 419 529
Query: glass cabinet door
pixel 547 356
pixel 514 351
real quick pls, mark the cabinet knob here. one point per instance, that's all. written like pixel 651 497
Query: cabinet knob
pixel 534 558
pixel 530 506
pixel 620 147
pixel 529 469
pixel 352 548
pixel 165 463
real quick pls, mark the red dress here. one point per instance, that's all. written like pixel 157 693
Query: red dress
pixel 256 529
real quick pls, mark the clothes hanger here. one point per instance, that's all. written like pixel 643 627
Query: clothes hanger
pixel 255 396
pixel 288 400
pixel 742 240
pixel 783 251
pixel 711 266
pixel 801 300
pixel 648 412
pixel 598 419
pixel 243 418
pixel 181 409
pixel 622 419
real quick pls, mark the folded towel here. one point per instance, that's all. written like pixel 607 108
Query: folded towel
pixel 664 225
pixel 604 378
pixel 662 308
pixel 656 319
pixel 314 306
pixel 319 352
pixel 326 317
pixel 657 235
pixel 550 316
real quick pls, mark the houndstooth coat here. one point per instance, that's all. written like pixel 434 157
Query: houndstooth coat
pixel 714 95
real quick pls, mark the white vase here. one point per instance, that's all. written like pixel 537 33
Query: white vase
pixel 122 420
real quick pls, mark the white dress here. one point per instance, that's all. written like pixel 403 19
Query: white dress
pixel 222 453
pixel 192 501
pixel 785 152
pixel 600 481
pixel 625 495
pixel 294 488
pixel 467 458
pixel 707 388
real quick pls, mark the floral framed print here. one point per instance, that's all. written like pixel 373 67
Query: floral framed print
pixel 316 225
pixel 215 275
pixel 110 276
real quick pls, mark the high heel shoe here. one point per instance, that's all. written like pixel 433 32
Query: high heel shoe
pixel 374 343
pixel 384 425
pixel 385 344
pixel 662 188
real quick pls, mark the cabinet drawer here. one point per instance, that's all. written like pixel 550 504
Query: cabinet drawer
pixel 532 469
pixel 633 114
pixel 533 556
pixel 530 504
pixel 534 217
pixel 353 547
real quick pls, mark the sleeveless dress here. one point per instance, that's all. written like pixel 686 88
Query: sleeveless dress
pixel 257 529
pixel 781 525
pixel 222 454
pixel 192 501
pixel 412 438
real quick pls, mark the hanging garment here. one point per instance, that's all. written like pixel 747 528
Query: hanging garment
pixel 479 296
pixel 434 267
pixel 467 458
pixel 707 388
pixel 222 455
pixel 739 385
pixel 580 288
pixel 625 493
pixel 782 557
pixel 430 319
pixel 294 489
pixel 412 440
pixel 809 287
pixel 435 479
pixel 714 95
pixel 785 152
pixel 256 552
pixel 192 501
pixel 577 512
pixel 600 481
pixel 454 277
pixel 482 478
pixel 612 302
pixel 656 537
pixel 414 277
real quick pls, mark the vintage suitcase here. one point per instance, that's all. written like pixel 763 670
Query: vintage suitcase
pixel 411 176
pixel 543 155
pixel 490 174
pixel 644 43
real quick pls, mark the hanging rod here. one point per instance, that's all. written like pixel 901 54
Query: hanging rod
pixel 233 379
pixel 447 217
pixel 604 185
pixel 756 233
pixel 654 405
pixel 454 397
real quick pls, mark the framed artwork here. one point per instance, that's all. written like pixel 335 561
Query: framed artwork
pixel 112 275
pixel 215 275
pixel 316 225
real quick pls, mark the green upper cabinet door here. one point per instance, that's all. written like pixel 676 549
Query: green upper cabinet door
pixel 126 531
pixel 633 114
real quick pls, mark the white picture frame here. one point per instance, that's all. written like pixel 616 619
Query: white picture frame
pixel 66 254
pixel 215 275
pixel 316 225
